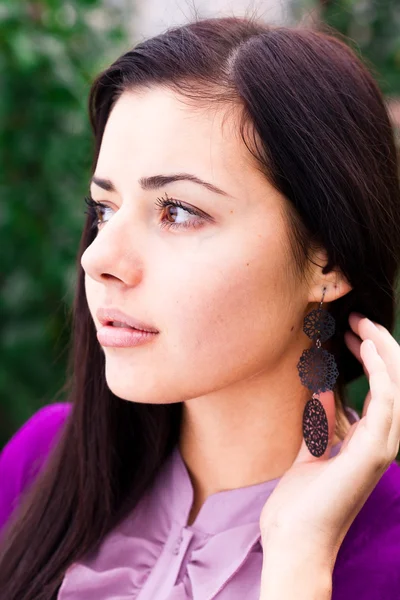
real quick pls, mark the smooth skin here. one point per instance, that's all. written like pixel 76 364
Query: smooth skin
pixel 221 288
pixel 330 492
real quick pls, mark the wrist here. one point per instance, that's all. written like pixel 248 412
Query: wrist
pixel 295 582
pixel 299 549
pixel 294 575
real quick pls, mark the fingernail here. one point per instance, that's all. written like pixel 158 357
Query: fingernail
pixel 360 316
pixel 373 323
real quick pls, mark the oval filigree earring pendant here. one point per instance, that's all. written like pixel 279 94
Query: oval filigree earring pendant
pixel 318 372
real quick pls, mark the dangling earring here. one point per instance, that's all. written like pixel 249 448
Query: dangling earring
pixel 318 372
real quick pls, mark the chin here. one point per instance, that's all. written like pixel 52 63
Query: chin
pixel 132 393
pixel 145 391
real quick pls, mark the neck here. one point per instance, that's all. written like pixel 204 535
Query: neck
pixel 245 434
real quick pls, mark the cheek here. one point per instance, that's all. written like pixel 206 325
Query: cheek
pixel 224 324
pixel 221 312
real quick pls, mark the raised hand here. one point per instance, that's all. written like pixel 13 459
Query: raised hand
pixel 317 499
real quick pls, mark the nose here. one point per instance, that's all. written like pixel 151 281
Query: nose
pixel 112 256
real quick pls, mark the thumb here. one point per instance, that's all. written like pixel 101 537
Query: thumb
pixel 318 428
pixel 348 437
pixel 354 425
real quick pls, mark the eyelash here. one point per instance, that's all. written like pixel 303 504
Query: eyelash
pixel 161 203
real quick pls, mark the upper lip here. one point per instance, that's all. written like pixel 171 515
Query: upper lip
pixel 107 315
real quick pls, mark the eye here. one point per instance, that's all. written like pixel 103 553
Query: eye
pixel 176 206
pixel 96 210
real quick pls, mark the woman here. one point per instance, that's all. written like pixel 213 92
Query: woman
pixel 244 200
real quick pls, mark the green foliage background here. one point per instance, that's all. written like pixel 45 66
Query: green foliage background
pixel 49 53
pixel 373 29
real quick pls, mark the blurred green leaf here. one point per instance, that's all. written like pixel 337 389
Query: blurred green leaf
pixel 49 54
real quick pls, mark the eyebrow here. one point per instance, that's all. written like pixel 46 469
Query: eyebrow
pixel 157 181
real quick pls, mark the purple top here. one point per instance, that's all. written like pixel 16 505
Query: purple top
pixel 154 555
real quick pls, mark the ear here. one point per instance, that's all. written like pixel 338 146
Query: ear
pixel 335 282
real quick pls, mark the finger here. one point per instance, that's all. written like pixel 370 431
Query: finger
pixel 316 430
pixel 393 441
pixel 389 350
pixel 380 414
pixel 366 451
pixel 394 435
pixel 348 437
pixel 366 403
pixel 353 342
pixel 387 347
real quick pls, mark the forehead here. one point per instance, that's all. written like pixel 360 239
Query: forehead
pixel 155 130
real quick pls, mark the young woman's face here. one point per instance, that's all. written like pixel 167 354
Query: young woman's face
pixel 217 285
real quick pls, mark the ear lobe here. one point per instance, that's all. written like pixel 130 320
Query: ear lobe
pixel 335 281
pixel 341 287
pixel 336 287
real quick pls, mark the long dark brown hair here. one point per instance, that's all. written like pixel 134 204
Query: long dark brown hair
pixel 316 123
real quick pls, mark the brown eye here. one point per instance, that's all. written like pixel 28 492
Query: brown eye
pixel 96 211
pixel 166 204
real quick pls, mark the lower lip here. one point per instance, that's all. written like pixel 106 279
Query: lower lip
pixel 123 337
